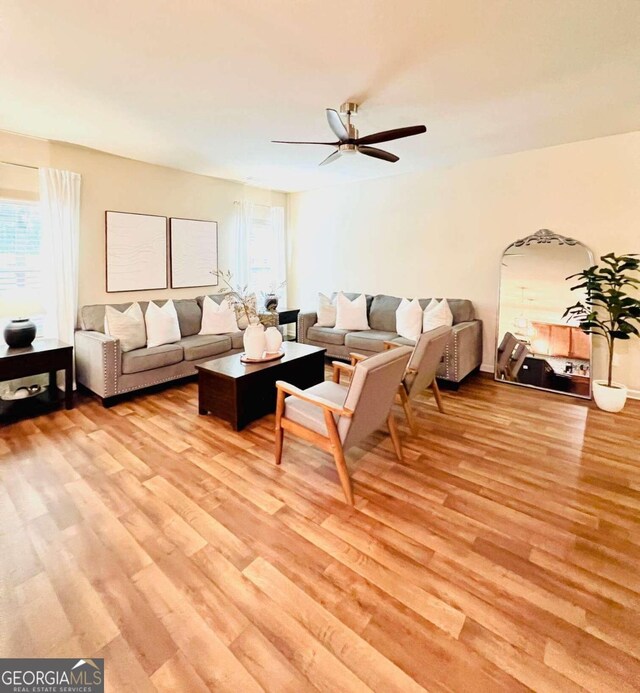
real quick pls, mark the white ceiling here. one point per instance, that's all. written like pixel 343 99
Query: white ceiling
pixel 204 85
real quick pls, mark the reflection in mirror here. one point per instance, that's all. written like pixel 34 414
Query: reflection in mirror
pixel 536 346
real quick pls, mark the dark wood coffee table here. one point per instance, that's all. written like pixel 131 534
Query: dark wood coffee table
pixel 241 393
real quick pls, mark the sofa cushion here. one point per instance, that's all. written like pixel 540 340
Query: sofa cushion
pixel 461 308
pixel 351 296
pixel 151 357
pixel 372 340
pixel 189 315
pixel 404 341
pixel 382 315
pixel 199 346
pixel 327 335
pixel 92 316
pixel 236 339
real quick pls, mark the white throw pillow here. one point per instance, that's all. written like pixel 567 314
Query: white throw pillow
pixel 128 326
pixel 437 315
pixel 218 318
pixel 326 311
pixel 162 324
pixel 409 319
pixel 351 315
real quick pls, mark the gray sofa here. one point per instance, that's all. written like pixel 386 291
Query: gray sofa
pixel 462 355
pixel 105 370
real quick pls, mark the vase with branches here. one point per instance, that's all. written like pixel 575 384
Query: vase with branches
pixel 609 311
pixel 238 296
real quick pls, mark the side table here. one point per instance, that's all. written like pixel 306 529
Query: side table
pixel 43 356
pixel 281 317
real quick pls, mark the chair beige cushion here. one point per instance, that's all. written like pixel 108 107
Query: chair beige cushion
pixel 310 415
pixel 199 346
pixel 328 335
pixel 372 340
pixel 152 357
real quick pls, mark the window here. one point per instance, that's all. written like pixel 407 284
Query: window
pixel 266 250
pixel 20 250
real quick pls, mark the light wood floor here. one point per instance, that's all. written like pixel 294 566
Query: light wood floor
pixel 503 554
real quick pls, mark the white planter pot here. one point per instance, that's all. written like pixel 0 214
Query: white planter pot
pixel 273 339
pixel 609 398
pixel 254 341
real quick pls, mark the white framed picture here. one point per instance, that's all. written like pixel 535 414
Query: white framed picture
pixel 193 247
pixel 136 251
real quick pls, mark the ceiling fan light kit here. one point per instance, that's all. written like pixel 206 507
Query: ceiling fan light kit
pixel 350 143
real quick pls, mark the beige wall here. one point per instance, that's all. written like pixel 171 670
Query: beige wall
pixel 118 184
pixel 442 233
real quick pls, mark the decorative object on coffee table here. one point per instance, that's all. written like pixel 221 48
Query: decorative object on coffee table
pixel 43 356
pixel 193 251
pixel 273 340
pixel 136 251
pixel 20 306
pixel 266 356
pixel 254 341
pixel 241 393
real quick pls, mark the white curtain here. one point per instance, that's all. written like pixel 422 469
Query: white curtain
pixel 60 221
pixel 280 249
pixel 244 220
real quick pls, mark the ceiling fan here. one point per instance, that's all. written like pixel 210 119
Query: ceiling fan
pixel 348 141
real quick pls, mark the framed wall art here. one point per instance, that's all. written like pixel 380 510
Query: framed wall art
pixel 136 251
pixel 193 246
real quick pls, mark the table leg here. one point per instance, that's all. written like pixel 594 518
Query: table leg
pixel 68 387
pixel 53 381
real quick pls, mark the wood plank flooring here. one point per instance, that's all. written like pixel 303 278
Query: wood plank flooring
pixel 502 555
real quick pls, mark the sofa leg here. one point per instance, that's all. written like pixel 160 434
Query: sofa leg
pixel 448 385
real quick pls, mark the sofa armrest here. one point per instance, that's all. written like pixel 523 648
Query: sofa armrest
pixel 97 362
pixel 305 321
pixel 463 352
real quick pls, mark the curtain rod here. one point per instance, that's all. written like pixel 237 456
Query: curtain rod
pixel 11 163
pixel 255 204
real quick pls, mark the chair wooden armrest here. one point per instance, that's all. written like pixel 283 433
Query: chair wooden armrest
pixel 391 345
pixel 340 367
pixel 312 399
pixel 356 358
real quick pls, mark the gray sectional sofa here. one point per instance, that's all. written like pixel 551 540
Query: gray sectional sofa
pixel 108 372
pixel 462 355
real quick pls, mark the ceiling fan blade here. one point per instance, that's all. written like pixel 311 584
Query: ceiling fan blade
pixel 332 144
pixel 389 135
pixel 330 158
pixel 336 124
pixel 378 154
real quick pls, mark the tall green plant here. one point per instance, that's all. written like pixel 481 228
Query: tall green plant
pixel 608 311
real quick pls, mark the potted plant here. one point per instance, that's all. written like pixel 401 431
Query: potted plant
pixel 608 311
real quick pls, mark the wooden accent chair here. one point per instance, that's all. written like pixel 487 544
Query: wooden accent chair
pixel 421 370
pixel 335 417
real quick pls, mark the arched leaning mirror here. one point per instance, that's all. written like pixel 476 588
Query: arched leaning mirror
pixel 536 346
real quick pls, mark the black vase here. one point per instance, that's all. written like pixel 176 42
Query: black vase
pixel 271 302
pixel 19 333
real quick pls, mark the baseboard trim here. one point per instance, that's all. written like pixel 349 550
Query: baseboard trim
pixel 486 367
pixel 633 394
